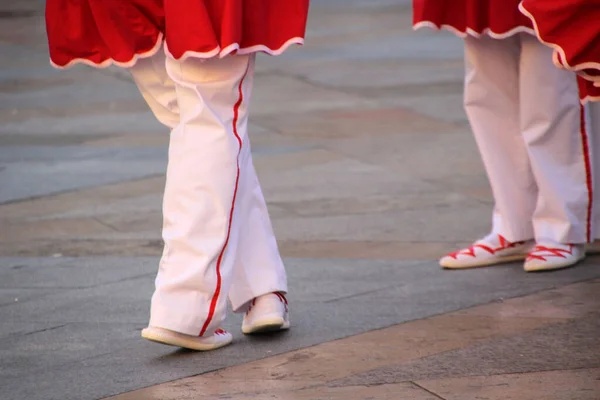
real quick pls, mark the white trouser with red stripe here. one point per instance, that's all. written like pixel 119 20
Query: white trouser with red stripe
pixel 526 118
pixel 593 123
pixel 219 242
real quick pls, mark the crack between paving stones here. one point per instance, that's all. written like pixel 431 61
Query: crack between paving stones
pixel 105 224
pixel 427 390
pixel 45 330
pixel 363 293
pixel 37 331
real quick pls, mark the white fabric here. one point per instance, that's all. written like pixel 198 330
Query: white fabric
pixel 593 123
pixel 157 88
pixel 205 102
pixel 525 116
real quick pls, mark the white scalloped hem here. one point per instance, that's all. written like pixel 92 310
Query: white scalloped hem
pixel 589 99
pixel 188 54
pixel 109 62
pixel 558 50
pixel 595 79
pixel 235 47
pixel 472 32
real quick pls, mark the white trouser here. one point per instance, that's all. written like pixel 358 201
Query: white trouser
pixel 218 237
pixel 526 118
pixel 593 113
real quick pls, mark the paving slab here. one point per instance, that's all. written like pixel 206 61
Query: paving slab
pixel 572 343
pixel 89 335
pixel 358 367
pixel 37 171
pixel 580 384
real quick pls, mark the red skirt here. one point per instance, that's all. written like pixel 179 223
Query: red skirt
pixel 496 18
pixel 105 32
pixel 572 29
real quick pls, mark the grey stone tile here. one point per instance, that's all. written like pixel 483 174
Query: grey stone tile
pixel 9 328
pixel 10 296
pixel 32 172
pixel 90 125
pixel 70 273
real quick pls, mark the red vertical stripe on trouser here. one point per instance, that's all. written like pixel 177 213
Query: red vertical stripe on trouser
pixel 236 110
pixel 588 174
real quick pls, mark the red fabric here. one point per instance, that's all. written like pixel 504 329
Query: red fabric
pixel 494 17
pixel 572 28
pixel 587 90
pixel 101 31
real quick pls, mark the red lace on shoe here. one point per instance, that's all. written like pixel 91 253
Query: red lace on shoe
pixel 550 252
pixel 281 296
pixel 252 304
pixel 283 299
pixel 470 251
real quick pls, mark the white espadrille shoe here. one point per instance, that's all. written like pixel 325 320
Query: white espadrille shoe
pixel 267 313
pixel 201 343
pixel 549 256
pixel 491 250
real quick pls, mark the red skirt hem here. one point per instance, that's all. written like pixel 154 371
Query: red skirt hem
pixel 569 30
pixel 101 33
pixel 216 52
pixel 494 18
pixel 588 91
pixel 463 32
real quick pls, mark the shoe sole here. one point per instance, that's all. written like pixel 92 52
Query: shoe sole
pixel 486 263
pixel 178 341
pixel 272 324
pixel 544 267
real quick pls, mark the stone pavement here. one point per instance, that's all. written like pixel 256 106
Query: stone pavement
pixel 541 346
pixel 371 174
